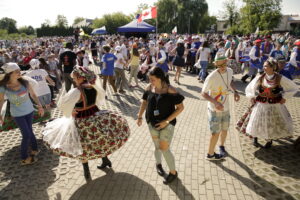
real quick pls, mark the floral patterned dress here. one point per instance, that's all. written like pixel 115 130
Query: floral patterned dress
pixel 100 132
pixel 269 119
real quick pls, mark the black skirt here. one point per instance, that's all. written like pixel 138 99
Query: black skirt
pixel 179 61
pixel 94 53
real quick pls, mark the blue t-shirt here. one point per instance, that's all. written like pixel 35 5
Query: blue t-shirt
pixel 20 103
pixel 109 60
pixel 195 45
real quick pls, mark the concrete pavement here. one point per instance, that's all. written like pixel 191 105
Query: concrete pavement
pixel 247 173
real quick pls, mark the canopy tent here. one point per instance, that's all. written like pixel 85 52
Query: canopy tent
pixel 136 27
pixel 101 30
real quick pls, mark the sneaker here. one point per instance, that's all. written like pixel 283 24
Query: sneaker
pixel 214 157
pixel 223 152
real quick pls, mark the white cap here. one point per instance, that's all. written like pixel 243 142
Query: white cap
pixel 34 63
pixel 151 42
pixel 118 48
pixel 180 40
pixel 10 67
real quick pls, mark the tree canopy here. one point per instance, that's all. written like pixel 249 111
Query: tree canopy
pixel 112 21
pixel 77 20
pixel 61 21
pixel 190 16
pixel 262 14
pixel 8 24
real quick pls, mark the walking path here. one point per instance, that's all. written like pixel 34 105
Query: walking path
pixel 247 173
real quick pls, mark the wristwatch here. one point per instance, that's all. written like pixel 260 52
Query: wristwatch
pixel 167 121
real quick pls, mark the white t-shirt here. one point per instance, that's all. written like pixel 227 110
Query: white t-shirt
pixel 204 54
pixel 217 85
pixel 118 64
pixel 39 75
pixel 124 51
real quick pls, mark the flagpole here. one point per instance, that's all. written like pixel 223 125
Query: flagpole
pixel 156 21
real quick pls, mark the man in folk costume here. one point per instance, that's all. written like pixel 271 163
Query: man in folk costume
pixel 256 63
pixel 294 63
pixel 194 48
pixel 266 48
pixel 162 58
pixel 233 58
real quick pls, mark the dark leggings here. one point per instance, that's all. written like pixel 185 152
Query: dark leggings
pixel 28 138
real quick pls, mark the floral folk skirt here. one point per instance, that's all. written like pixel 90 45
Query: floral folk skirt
pixel 100 135
pixel 270 121
pixel 234 66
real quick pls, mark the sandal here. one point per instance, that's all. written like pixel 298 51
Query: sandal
pixel 32 160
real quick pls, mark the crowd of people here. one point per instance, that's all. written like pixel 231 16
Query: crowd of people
pixel 33 72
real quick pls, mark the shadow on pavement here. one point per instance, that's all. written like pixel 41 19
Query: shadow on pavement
pixel 240 86
pixel 297 94
pixel 180 190
pixel 116 186
pixel 186 94
pixel 196 88
pixel 27 182
pixel 125 108
pixel 259 185
pixel 284 158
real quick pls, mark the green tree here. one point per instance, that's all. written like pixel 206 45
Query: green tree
pixel 231 13
pixel 112 21
pixel 61 21
pixel 265 14
pixel 98 22
pixel 28 30
pixel 47 22
pixel 187 15
pixel 167 14
pixel 8 24
pixel 3 34
pixel 208 23
pixel 77 20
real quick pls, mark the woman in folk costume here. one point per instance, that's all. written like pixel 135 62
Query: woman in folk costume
pixel 85 132
pixel 270 118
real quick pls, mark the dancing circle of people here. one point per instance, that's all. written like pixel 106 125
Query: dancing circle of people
pixel 33 72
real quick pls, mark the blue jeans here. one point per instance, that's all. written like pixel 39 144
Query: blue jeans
pixel 202 74
pixel 25 125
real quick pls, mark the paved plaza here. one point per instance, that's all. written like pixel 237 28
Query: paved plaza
pixel 247 173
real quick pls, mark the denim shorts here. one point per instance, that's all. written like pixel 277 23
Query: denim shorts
pixel 165 134
pixel 218 121
pixel 45 99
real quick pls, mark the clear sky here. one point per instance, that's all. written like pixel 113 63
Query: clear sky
pixel 35 12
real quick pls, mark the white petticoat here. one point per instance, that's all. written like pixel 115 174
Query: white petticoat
pixel 62 134
pixel 270 121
